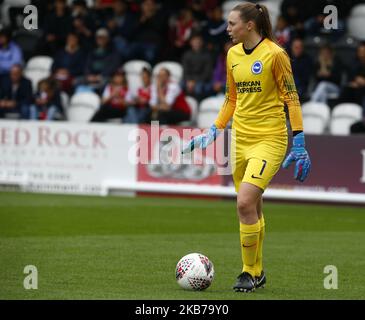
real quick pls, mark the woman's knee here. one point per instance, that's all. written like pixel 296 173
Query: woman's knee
pixel 245 206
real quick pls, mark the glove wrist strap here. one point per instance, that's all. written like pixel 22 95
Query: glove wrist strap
pixel 298 140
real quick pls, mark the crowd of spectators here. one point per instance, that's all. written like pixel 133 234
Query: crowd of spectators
pixel 90 44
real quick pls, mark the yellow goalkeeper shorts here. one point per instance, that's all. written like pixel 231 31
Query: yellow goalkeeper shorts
pixel 256 160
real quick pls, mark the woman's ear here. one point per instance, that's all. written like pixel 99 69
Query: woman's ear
pixel 249 25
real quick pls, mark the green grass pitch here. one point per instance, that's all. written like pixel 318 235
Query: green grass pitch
pixel 127 248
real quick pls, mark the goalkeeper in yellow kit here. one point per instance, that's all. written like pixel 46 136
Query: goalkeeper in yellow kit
pixel 259 82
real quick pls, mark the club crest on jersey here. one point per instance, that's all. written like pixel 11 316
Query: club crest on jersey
pixel 256 67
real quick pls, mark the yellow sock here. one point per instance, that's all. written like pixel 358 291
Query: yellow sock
pixel 249 236
pixel 259 266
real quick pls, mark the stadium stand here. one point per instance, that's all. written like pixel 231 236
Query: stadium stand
pixel 274 10
pixel 343 116
pixel 38 61
pixel 28 41
pixel 316 117
pixel 228 6
pixel 37 68
pixel 208 110
pixel 193 104
pixel 356 22
pixel 83 106
pixel 7 4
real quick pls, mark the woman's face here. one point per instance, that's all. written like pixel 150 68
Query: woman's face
pixel 44 87
pixel 326 53
pixel 237 29
pixel 3 40
pixel 297 48
pixel 361 53
pixel 163 76
pixel 146 78
pixel 118 80
pixel 72 40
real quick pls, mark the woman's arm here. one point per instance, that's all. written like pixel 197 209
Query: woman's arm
pixel 284 79
pixel 106 97
pixel 226 112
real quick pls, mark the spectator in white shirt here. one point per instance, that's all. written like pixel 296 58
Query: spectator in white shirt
pixel 168 104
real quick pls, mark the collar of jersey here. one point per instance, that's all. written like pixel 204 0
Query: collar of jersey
pixel 249 51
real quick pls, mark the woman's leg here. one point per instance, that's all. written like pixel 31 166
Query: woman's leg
pixel 259 206
pixel 107 112
pixel 248 196
pixel 172 117
pixel 264 160
pixel 131 115
pixel 259 265
pixel 247 200
pixel 323 90
pixel 33 112
pixel 51 113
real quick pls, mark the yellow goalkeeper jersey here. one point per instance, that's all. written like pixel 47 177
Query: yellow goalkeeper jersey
pixel 258 84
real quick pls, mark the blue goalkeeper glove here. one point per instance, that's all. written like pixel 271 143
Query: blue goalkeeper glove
pixel 300 156
pixel 202 141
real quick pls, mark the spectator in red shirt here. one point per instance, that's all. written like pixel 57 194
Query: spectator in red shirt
pixel 138 101
pixel 47 101
pixel 283 32
pixel 113 102
pixel 180 32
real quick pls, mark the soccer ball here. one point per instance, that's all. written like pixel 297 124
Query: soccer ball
pixel 194 272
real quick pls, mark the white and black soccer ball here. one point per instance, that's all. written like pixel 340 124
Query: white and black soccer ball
pixel 194 272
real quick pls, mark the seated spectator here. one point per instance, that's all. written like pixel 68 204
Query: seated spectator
pixel 180 32
pixel 47 102
pixel 354 91
pixel 83 23
pixel 57 24
pixel 113 102
pixel 101 62
pixel 69 63
pixel 220 71
pixel 150 33
pixel 197 67
pixel 138 108
pixel 282 32
pixel 301 64
pixel 103 4
pixel 167 103
pixel 295 13
pixel 16 93
pixel 10 52
pixel 199 10
pixel 328 72
pixel 214 32
pixel 121 25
